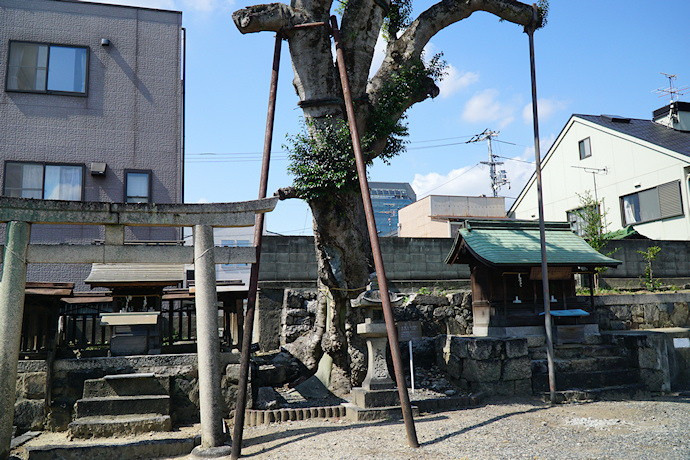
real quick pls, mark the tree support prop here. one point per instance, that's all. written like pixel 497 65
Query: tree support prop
pixel 529 29
pixel 11 315
pixel 374 238
pixel 254 274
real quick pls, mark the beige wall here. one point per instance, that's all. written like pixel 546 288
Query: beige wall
pixel 430 216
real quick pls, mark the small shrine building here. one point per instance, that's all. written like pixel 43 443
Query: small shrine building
pixel 504 257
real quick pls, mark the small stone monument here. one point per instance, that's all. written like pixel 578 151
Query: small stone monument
pixel 378 396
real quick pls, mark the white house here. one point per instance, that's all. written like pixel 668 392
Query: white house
pixel 638 169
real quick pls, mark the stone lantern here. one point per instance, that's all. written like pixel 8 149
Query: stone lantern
pixel 378 396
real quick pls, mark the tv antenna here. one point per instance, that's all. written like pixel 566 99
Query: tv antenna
pixel 499 178
pixel 671 90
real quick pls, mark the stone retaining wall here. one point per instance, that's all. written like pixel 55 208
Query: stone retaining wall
pixel 439 314
pixel 30 405
pixel 497 366
pixel 69 376
pixel 642 311
pixel 650 352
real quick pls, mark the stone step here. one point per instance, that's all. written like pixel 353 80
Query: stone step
pixel 127 385
pixel 577 365
pixel 119 425
pixel 572 351
pixel 123 405
pixel 613 393
pixel 586 380
pixel 173 446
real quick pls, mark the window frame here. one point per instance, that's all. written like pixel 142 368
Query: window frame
pixel 147 172
pixel 43 164
pixel 578 225
pixel 46 90
pixel 661 215
pixel 582 143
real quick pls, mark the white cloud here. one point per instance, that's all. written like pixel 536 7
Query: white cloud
pixel 455 80
pixel 484 107
pixel 546 107
pixel 467 181
pixel 475 181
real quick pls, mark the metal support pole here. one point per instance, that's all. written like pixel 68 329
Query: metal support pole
pixel 374 238
pixel 254 275
pixel 208 344
pixel 542 230
pixel 12 289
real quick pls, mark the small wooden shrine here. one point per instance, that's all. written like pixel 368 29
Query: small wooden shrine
pixel 505 264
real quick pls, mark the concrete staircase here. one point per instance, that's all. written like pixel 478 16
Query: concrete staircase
pixel 122 404
pixel 596 369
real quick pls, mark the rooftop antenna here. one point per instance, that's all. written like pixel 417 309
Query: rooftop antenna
pixel 671 90
pixel 674 93
pixel 498 177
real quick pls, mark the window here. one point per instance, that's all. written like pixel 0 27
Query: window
pixel 46 68
pixel 235 244
pixel 43 181
pixel 578 219
pixel 585 148
pixel 652 204
pixel 137 186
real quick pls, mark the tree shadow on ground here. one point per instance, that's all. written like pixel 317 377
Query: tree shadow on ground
pixel 300 434
pixel 482 424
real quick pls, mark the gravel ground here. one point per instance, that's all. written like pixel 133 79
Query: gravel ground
pixel 500 429
pixel 514 428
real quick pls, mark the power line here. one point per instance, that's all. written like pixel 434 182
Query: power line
pixel 449 181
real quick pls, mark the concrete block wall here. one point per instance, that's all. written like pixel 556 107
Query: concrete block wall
pixel 672 262
pixel 292 258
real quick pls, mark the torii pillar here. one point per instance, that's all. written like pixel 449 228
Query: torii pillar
pixel 11 314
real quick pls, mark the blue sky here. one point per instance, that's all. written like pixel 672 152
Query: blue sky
pixel 593 57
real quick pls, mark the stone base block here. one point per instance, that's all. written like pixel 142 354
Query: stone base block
pixel 122 425
pixel 375 398
pixel 359 414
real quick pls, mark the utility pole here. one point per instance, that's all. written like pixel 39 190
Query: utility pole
pixel 498 177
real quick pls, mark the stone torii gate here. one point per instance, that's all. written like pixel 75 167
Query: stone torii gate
pixel 20 213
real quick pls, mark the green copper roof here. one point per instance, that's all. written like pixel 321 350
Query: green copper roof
pixel 515 242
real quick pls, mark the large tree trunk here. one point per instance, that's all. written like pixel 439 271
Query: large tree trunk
pixel 344 261
pixel 342 244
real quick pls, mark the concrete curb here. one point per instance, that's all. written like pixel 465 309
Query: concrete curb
pixel 254 417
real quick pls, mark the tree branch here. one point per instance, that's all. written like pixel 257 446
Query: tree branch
pixel 285 193
pixel 407 49
pixel 272 17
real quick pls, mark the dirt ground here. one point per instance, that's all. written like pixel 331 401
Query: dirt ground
pixel 658 427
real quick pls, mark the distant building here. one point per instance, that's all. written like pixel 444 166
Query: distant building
pixel 437 216
pixel 91 109
pixel 638 169
pixel 387 198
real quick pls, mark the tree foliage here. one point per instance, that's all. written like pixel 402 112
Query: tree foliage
pixel 648 280
pixel 321 156
pixel 595 228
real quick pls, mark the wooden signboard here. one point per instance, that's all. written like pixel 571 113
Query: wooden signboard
pixel 409 330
